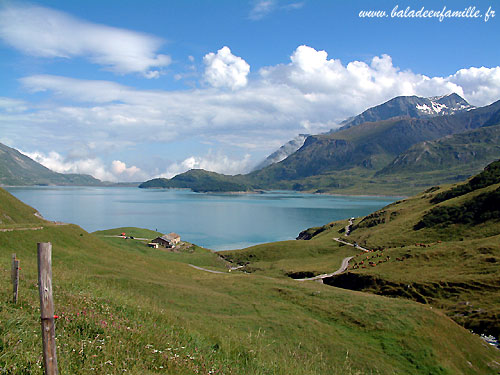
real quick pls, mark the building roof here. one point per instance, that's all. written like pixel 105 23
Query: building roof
pixel 173 235
pixel 165 237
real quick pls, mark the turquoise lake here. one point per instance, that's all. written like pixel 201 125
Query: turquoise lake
pixel 215 221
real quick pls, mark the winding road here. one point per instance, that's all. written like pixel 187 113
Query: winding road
pixel 206 270
pixel 319 278
pixel 353 245
pixel 343 267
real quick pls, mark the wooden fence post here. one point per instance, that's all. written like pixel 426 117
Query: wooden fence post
pixel 12 267
pixel 47 307
pixel 15 278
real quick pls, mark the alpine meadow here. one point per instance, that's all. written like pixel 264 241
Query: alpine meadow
pixel 256 187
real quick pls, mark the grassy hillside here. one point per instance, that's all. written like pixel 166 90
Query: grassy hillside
pixel 127 309
pixel 13 213
pixel 443 247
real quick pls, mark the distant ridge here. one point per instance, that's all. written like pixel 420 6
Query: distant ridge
pixel 283 152
pixel 17 169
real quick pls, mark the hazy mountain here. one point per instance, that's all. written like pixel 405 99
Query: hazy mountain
pixel 410 106
pixel 283 152
pixel 18 169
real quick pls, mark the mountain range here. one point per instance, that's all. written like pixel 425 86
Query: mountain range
pixel 401 106
pixel 406 147
pixel 398 147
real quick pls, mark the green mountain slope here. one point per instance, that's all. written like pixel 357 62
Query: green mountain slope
pixel 440 248
pixel 468 151
pixel 123 307
pixel 199 180
pixel 17 169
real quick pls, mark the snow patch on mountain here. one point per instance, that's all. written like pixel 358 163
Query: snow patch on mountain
pixel 442 105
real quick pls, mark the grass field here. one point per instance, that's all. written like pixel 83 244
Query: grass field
pixel 126 308
pixel 451 267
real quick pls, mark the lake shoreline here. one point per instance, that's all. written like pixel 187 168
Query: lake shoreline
pixel 218 221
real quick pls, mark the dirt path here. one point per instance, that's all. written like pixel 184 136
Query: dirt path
pixel 204 269
pixel 356 246
pixel 348 227
pixel 343 267
pixel 15 229
pixel 128 238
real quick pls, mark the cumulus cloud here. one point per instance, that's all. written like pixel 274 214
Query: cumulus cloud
pixel 479 85
pixel 44 32
pixel 223 69
pixel 309 94
pixel 214 162
pixel 119 168
pixel 321 79
pixel 92 166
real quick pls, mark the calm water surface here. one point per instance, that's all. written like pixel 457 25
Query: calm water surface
pixel 216 221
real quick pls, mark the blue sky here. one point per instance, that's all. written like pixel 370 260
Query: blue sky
pixel 129 90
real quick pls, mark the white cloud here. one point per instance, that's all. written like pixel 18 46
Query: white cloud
pixel 92 166
pixel 214 162
pixel 359 85
pixel 261 9
pixel 12 105
pixel 225 69
pixel 119 168
pixel 311 93
pixel 44 32
pixel 294 6
pixel 82 90
pixel 479 85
